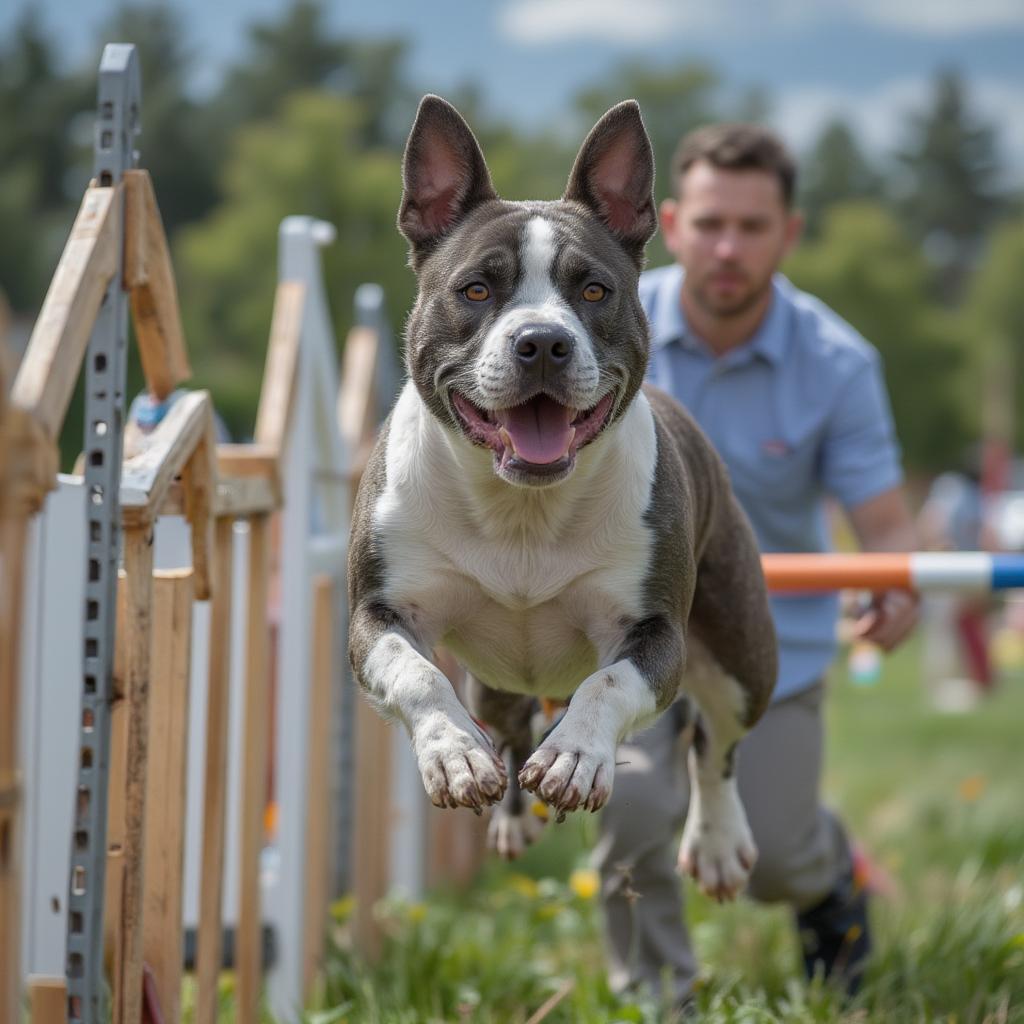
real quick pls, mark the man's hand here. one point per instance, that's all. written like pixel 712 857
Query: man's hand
pixel 889 618
pixel 884 523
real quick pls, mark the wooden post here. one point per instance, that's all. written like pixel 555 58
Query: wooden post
pixel 12 562
pixel 371 860
pixel 318 810
pixel 166 786
pixel 126 812
pixel 209 945
pixel 248 960
pixel 149 276
pixel 47 1000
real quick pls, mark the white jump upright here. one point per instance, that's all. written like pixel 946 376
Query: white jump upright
pixel 314 541
pixel 51 644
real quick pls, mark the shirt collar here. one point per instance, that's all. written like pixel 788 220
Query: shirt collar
pixel 769 340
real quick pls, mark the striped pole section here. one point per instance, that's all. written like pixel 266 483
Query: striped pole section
pixel 960 571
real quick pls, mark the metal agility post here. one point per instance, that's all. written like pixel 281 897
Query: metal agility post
pixel 922 571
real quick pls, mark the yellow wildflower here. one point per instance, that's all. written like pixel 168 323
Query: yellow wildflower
pixel 585 883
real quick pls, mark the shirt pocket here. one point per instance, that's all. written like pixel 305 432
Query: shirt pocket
pixel 773 470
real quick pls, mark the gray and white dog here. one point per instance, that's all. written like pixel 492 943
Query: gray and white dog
pixel 561 530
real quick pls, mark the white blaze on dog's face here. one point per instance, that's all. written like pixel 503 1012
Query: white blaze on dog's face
pixel 527 338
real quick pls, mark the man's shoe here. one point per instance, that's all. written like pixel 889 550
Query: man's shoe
pixel 836 936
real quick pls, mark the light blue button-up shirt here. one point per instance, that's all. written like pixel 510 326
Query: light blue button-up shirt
pixel 797 413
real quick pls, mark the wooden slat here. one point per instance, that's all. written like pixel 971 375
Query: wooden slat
pixel 240 497
pixel 146 477
pixel 127 796
pixel 318 811
pixel 281 366
pixel 149 276
pixel 166 785
pixel 47 1000
pixel 371 860
pixel 12 572
pixel 250 462
pixel 256 731
pixel 59 340
pixel 208 948
pixel 199 479
pixel 357 398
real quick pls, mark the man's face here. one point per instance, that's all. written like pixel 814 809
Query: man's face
pixel 730 230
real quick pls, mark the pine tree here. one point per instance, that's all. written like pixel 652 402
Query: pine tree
pixel 949 194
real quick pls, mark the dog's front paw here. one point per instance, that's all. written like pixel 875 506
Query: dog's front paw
pixel 510 833
pixel 717 849
pixel 568 777
pixel 458 764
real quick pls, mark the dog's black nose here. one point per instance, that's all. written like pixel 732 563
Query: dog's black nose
pixel 542 346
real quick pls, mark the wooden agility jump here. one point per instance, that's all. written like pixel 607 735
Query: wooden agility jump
pixel 124 888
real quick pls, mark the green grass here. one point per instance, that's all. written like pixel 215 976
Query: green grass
pixel 936 801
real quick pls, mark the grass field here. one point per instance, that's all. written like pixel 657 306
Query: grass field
pixel 937 801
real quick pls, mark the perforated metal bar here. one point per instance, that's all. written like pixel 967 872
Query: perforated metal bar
pixel 117 124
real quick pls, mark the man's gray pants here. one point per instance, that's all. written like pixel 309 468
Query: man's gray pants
pixel 802 849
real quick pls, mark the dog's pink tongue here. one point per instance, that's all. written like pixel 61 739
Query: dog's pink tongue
pixel 540 429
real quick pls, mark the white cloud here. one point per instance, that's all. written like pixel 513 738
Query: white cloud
pixel 536 22
pixel 940 17
pixel 878 116
pixel 616 21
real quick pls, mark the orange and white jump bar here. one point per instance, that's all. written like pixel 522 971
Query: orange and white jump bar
pixel 960 571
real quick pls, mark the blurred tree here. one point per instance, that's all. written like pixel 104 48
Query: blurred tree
pixel 834 171
pixel 37 106
pixel 298 52
pixel 948 193
pixel 305 159
pixel 179 143
pixel 995 308
pixel 867 269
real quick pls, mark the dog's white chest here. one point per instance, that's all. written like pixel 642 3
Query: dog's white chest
pixel 531 591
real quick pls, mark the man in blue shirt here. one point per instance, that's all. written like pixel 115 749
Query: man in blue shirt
pixel 794 401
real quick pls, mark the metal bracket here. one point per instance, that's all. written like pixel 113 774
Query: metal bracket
pixel 117 124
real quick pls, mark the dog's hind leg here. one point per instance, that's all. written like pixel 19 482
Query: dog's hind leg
pixel 717 849
pixel 731 670
pixel 508 717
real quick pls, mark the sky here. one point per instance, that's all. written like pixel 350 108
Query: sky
pixel 870 61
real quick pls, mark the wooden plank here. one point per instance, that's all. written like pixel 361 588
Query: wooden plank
pixel 208 949
pixel 47 1000
pixel 166 785
pixel 242 497
pixel 281 367
pixel 149 276
pixel 199 478
pixel 371 860
pixel 256 732
pixel 357 397
pixel 146 477
pixel 127 800
pixel 13 534
pixel 318 808
pixel 59 340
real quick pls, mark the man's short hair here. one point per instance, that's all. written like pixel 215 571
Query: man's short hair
pixel 737 147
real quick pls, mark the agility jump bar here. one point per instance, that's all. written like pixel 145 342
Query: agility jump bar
pixel 958 571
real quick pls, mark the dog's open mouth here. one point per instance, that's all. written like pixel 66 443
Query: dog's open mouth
pixel 540 436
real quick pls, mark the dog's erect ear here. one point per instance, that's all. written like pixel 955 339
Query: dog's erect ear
pixel 614 176
pixel 443 174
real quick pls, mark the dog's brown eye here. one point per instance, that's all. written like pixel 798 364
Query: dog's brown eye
pixel 594 292
pixel 476 292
